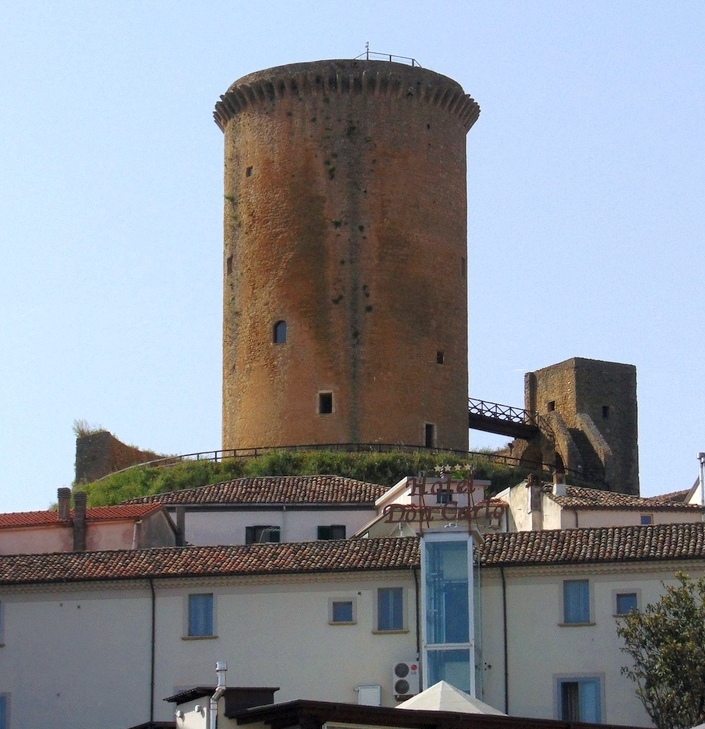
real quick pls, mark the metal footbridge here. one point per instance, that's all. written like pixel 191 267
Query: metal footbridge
pixel 492 417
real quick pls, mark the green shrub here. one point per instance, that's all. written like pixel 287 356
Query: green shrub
pixel 382 468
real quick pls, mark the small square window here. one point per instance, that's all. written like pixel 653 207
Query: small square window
pixel 576 602
pixel 341 612
pixel 440 357
pixel 325 403
pixel 444 496
pixel 551 406
pixel 200 615
pixel 334 531
pixel 605 411
pixel 390 609
pixel 646 519
pixel 625 603
pixel 248 172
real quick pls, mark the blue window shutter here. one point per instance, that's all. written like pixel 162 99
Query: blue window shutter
pixel 200 615
pixel 576 601
pixel 390 608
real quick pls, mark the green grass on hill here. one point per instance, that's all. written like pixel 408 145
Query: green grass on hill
pixel 382 468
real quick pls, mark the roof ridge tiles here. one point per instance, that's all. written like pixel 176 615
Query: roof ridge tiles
pixel 559 546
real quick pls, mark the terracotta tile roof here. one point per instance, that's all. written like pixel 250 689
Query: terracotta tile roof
pixel 677 497
pixel 582 498
pixel 274 490
pixel 563 546
pixel 606 544
pixel 51 517
pixel 287 558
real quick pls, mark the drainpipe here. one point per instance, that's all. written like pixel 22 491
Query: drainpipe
pixel 506 648
pixel 153 653
pixel 418 613
pixel 701 458
pixel 220 668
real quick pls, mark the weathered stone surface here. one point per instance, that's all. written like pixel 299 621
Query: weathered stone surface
pixel 345 217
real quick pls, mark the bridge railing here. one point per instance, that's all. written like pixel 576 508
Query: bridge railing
pixel 510 414
pixel 473 458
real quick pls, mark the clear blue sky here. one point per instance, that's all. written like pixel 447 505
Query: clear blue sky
pixel 586 185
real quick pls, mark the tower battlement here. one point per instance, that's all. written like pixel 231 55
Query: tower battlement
pixel 374 78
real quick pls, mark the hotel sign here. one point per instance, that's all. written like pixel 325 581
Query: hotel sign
pixel 449 511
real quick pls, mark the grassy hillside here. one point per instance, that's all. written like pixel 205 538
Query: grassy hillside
pixel 381 468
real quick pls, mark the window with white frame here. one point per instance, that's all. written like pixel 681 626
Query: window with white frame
pixel 390 609
pixel 200 615
pixel 342 611
pixel 579 698
pixel 626 602
pixel 576 602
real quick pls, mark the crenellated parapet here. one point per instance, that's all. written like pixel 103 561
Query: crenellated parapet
pixel 327 78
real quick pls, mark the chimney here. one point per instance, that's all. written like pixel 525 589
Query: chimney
pixel 79 521
pixel 559 484
pixel 64 498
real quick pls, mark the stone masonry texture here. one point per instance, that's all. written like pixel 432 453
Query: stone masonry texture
pixel 345 217
pixel 606 391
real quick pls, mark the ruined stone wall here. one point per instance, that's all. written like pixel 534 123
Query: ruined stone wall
pixel 345 217
pixel 604 391
pixel 99 454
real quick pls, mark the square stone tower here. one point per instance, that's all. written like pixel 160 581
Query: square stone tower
pixel 592 408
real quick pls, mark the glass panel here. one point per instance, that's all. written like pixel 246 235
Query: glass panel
pixel 452 666
pixel 626 602
pixel 200 614
pixel 447 593
pixel 343 612
pixel 390 608
pixel 576 601
pixel 590 700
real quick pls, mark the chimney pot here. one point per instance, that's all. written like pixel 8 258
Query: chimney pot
pixel 64 499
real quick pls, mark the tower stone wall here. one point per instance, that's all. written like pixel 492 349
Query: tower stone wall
pixel 594 404
pixel 345 257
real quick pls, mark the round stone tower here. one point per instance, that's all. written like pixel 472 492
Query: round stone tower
pixel 345 276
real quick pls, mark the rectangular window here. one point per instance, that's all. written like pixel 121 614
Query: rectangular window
pixel 576 602
pixel 334 531
pixel 390 608
pixel 200 615
pixel 325 403
pixel 430 435
pixel 2 628
pixel 579 699
pixel 444 496
pixel 625 603
pixel 262 534
pixel 646 519
pixel 341 612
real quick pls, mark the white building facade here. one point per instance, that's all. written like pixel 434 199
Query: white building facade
pixel 101 638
